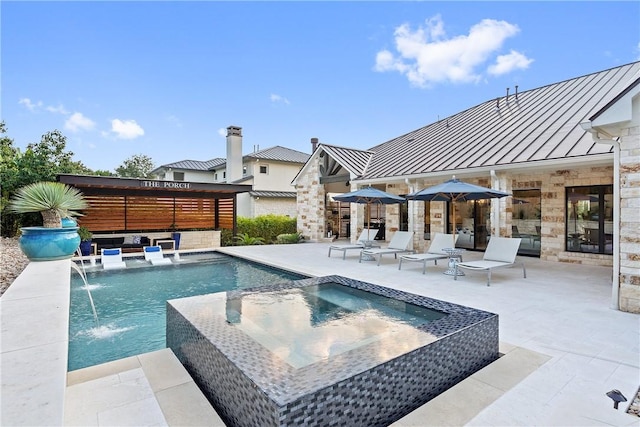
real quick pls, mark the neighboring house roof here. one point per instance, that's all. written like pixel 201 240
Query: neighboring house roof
pixel 538 125
pixel 195 165
pixel 274 194
pixel 278 153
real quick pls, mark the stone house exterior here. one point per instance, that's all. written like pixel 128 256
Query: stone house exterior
pixel 268 171
pixel 568 153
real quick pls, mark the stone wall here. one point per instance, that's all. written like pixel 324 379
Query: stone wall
pixel 629 297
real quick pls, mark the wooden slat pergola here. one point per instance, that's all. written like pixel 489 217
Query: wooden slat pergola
pixel 135 205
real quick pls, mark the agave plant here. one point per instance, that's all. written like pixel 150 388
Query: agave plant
pixel 54 200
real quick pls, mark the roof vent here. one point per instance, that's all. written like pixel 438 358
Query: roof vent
pixel 507 94
pixel 497 104
pixel 516 93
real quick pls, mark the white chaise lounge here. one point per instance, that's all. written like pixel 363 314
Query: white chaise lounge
pixel 366 235
pixel 112 259
pixel 500 252
pixel 400 243
pixel 154 255
pixel 434 253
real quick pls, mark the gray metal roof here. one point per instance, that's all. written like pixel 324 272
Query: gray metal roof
pixel 274 194
pixel 355 161
pixel 194 164
pixel 281 154
pixel 537 125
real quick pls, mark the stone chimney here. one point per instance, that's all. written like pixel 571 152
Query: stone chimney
pixel 234 153
pixel 314 145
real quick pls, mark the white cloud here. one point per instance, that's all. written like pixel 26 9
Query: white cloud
pixel 58 109
pixel 507 63
pixel 127 129
pixel 279 99
pixel 428 56
pixel 222 132
pixel 78 122
pixel 37 106
pixel 30 105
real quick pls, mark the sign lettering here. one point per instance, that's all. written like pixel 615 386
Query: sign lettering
pixel 166 184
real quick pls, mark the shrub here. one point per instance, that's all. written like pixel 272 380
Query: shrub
pixel 268 227
pixel 226 237
pixel 284 239
pixel 246 240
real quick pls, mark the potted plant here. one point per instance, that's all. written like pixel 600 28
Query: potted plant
pixel 85 240
pixel 54 200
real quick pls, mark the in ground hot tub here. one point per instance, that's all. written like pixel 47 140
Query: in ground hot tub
pixel 326 351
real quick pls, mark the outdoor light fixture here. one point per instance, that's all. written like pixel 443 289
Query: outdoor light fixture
pixel 617 397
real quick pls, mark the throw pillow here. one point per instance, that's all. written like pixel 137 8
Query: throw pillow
pixel 136 240
pixel 128 240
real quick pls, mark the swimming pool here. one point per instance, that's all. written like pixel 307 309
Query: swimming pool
pixel 131 304
pixel 326 351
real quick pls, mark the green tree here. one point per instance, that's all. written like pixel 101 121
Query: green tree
pixel 41 161
pixel 136 166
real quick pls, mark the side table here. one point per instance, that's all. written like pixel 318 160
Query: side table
pixel 455 255
pixel 368 244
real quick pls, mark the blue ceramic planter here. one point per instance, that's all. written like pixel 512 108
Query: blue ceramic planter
pixel 49 244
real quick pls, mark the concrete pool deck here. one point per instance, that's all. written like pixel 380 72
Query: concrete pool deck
pixel 564 347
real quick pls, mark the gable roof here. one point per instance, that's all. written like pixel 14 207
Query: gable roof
pixel 278 153
pixel 538 125
pixel 352 160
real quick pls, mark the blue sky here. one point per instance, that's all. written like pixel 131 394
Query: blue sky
pixel 165 79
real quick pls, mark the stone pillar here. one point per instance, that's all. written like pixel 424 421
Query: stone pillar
pixel 310 199
pixel 629 277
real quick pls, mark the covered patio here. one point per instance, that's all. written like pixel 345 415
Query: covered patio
pixel 130 206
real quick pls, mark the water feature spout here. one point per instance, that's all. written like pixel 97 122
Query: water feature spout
pixel 83 275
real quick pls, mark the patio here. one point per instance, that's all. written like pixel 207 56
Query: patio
pixel 565 348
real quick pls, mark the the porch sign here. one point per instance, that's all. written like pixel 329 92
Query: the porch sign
pixel 175 185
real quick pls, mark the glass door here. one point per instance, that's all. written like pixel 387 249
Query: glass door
pixel 472 224
pixel 526 221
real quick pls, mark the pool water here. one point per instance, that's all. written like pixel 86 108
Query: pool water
pixel 305 325
pixel 131 304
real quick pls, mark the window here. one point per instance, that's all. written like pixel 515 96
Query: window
pixel 215 176
pixel 244 171
pixel 264 169
pixel 589 219
pixel 526 220
pixel 224 175
pixel 178 176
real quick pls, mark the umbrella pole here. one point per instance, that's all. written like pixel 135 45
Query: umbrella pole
pixel 453 227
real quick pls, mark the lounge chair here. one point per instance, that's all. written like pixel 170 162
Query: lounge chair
pixel 154 255
pixel 112 259
pixel 500 252
pixel 400 243
pixel 434 253
pixel 366 235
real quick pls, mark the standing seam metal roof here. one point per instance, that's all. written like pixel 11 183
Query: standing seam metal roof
pixel 194 164
pixel 541 124
pixel 281 154
pixel 354 161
